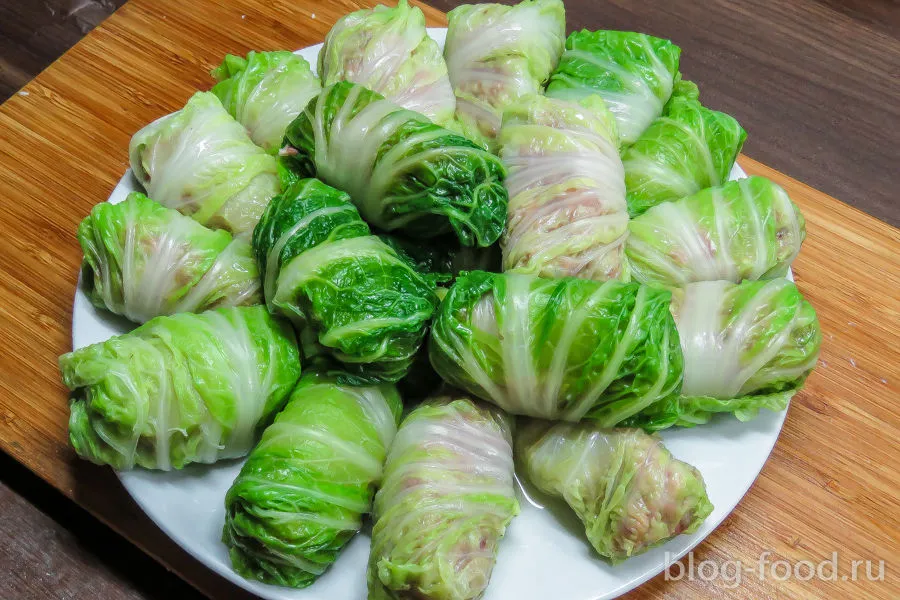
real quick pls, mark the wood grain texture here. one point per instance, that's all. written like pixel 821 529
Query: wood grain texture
pixel 829 486
pixel 33 34
pixel 51 549
pixel 814 82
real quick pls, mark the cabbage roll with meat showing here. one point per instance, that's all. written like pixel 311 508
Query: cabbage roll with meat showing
pixel 143 260
pixel 497 55
pixel 388 51
pixel 745 229
pixel 188 388
pixel 265 92
pixel 746 347
pixel 202 163
pixel 445 501
pixel 567 213
pixel 624 485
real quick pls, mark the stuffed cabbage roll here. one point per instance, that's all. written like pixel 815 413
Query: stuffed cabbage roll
pixel 567 215
pixel 143 260
pixel 561 349
pixel 633 72
pixel 624 485
pixel 746 346
pixel 388 51
pixel 324 271
pixel 201 162
pixel 402 171
pixel 745 229
pixel 181 389
pixel 265 92
pixel 497 55
pixel 301 494
pixel 445 502
pixel 688 148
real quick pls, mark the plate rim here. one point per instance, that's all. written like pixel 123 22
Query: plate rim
pixel 271 592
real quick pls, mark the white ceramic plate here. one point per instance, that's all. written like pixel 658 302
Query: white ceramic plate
pixel 542 556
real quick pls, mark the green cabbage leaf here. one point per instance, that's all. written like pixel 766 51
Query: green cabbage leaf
pixel 265 92
pixel 687 149
pixel 201 162
pixel 567 212
pixel 181 389
pixel 562 349
pixel 496 56
pixel 444 504
pixel 388 51
pixel 745 229
pixel 301 494
pixel 633 72
pixel 402 171
pixel 682 90
pixel 344 287
pixel 443 259
pixel 143 260
pixel 746 347
pixel 624 485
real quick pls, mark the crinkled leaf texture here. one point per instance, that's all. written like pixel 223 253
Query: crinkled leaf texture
pixel 265 92
pixel 181 389
pixel 744 230
pixel 389 51
pixel 558 349
pixel 624 485
pixel 496 56
pixel 402 171
pixel 444 259
pixel 687 149
pixel 633 72
pixel 445 503
pixel 201 162
pixel 143 260
pixel 567 214
pixel 301 494
pixel 341 285
pixel 746 347
pixel 440 261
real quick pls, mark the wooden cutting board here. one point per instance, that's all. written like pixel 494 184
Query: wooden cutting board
pixel 831 484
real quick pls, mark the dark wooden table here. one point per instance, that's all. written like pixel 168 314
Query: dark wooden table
pixel 815 83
